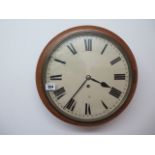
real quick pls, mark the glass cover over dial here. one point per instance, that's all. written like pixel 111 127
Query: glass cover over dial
pixel 87 77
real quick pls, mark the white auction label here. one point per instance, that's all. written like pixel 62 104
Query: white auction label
pixel 50 87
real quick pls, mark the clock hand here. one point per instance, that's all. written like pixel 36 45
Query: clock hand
pixel 79 88
pixel 87 78
pixel 103 84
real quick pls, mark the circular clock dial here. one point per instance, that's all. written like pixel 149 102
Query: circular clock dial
pixel 86 76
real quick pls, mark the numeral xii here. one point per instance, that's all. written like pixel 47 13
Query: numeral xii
pixel 88 44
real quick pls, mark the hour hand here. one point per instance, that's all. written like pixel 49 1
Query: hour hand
pixel 103 84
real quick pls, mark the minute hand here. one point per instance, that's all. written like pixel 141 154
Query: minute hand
pixel 103 84
pixel 79 88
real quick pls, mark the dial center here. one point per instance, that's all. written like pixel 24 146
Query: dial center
pixel 88 77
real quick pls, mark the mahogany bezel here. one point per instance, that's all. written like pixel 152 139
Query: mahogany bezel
pixel 59 38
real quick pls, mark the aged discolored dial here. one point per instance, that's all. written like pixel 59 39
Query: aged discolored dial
pixel 86 75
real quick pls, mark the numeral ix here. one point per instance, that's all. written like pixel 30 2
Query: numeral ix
pixel 56 77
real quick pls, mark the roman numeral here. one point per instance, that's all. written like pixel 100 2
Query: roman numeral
pixel 71 104
pixel 88 44
pixel 119 76
pixel 72 49
pixel 87 109
pixel 115 60
pixel 59 92
pixel 115 92
pixel 104 48
pixel 104 105
pixel 56 77
pixel 60 61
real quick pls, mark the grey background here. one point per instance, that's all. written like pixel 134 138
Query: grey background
pixel 21 110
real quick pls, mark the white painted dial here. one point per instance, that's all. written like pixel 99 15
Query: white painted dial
pixel 87 77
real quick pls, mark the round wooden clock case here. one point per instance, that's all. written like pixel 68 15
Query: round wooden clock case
pixel 86 75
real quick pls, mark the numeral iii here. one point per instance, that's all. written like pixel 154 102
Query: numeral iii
pixel 119 76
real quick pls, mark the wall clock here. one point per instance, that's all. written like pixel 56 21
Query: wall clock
pixel 86 75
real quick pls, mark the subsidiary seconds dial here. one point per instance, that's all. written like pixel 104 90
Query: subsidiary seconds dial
pixel 86 75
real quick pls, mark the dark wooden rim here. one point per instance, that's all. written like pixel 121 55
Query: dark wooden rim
pixel 51 45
